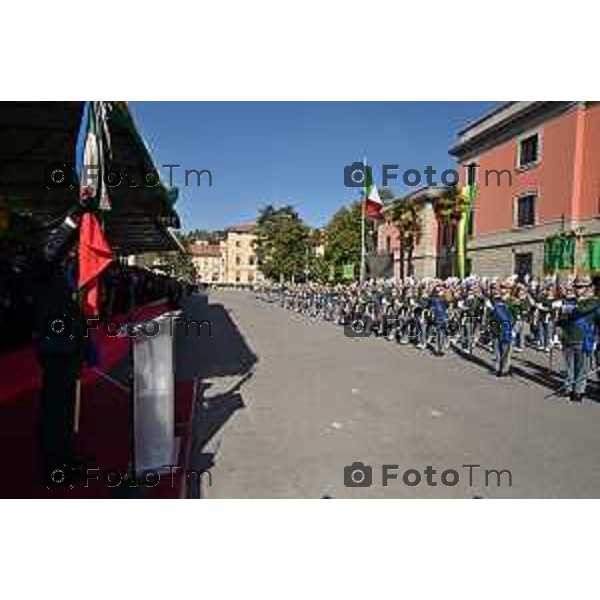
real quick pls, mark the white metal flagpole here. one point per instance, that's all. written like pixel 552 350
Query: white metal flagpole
pixel 362 226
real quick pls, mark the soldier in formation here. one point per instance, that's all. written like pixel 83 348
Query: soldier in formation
pixel 500 317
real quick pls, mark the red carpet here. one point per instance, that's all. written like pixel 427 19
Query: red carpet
pixel 104 426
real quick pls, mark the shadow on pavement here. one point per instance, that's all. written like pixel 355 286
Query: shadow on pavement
pixel 210 346
pixel 211 414
pixel 534 372
pixel 537 373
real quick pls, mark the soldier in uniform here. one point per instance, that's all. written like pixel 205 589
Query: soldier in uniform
pixel 578 320
pixel 438 307
pixel 59 334
pixel 472 307
pixel 420 311
pixel 501 323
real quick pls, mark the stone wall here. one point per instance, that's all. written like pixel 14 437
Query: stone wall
pixel 493 254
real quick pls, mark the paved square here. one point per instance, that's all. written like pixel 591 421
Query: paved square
pixel 289 402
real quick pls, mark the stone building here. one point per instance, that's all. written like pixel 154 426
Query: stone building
pixel 427 254
pixel 209 260
pixel 241 264
pixel 230 260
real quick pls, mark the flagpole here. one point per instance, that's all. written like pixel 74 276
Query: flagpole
pixel 362 226
pixel 362 243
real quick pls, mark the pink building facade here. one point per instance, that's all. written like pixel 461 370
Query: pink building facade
pixel 537 174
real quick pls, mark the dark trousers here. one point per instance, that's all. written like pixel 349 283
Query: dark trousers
pixel 503 352
pixel 57 405
pixel 577 368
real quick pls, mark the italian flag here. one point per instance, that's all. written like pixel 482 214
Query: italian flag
pixel 93 185
pixel 373 204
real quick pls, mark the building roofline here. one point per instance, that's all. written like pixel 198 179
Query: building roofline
pixel 242 228
pixel 484 116
pixel 494 128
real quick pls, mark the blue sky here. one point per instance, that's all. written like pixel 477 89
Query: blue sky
pixel 291 152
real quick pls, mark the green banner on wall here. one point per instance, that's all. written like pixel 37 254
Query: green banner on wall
pixel 559 253
pixel 592 254
pixel 348 271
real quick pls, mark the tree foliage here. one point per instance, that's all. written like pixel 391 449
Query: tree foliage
pixel 180 264
pixel 450 207
pixel 282 243
pixel 406 216
pixel 343 237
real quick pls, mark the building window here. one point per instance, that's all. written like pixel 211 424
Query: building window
pixel 237 278
pixel 448 235
pixel 523 264
pixel 529 149
pixel 251 260
pixel 388 244
pixel 238 244
pixel 238 260
pixel 526 210
pixel 250 278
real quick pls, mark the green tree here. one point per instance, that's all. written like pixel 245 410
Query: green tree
pixel 319 269
pixel 406 216
pixel 343 243
pixel 180 264
pixel 282 243
pixel 343 236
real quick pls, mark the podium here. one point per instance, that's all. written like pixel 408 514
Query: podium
pixel 154 446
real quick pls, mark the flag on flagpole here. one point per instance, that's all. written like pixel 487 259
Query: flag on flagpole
pixel 95 254
pixel 373 204
pixel 93 183
pixel 89 175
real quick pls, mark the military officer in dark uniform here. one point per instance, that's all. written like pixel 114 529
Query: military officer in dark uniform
pixel 59 336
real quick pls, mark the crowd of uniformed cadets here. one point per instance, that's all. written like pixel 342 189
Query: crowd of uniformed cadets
pixel 503 316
